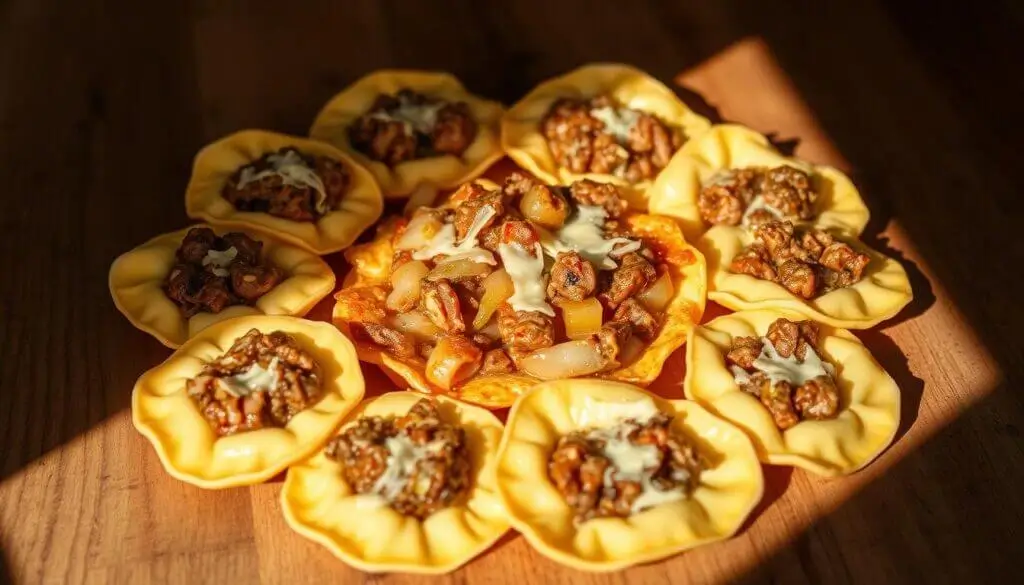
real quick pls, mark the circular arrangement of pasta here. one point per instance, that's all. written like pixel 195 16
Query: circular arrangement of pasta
pixel 558 290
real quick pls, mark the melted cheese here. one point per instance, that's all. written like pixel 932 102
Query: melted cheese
pixel 414 117
pixel 293 171
pixel 758 204
pixel 793 370
pixel 443 242
pixel 254 379
pixel 403 457
pixel 584 233
pixel 528 281
pixel 220 260
pixel 617 121
pixel 637 463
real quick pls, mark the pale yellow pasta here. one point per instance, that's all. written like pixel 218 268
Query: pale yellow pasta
pixel 360 206
pixel 879 295
pixel 371 536
pixel 521 127
pixel 730 146
pixel 187 446
pixel 726 493
pixel 137 278
pixel 442 172
pixel 869 398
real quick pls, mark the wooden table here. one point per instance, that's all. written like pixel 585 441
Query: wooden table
pixel 103 106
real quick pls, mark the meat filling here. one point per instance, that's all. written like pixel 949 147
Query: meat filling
pixel 289 184
pixel 262 381
pixel 785 371
pixel 409 125
pixel 807 262
pixel 624 469
pixel 600 136
pixel 214 272
pixel 418 463
pixel 522 278
pixel 755 195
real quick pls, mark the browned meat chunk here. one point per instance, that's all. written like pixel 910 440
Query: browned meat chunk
pixel 227 398
pixel 410 125
pixel 727 194
pixel 606 195
pixel 818 399
pixel 784 336
pixel 439 302
pixel 789 191
pixel 610 341
pixel 468 211
pixel 798 278
pixel 642 322
pixel 394 342
pixel 572 278
pixel 212 273
pixel 754 261
pixel 258 187
pixel 744 351
pixel 496 361
pixel 778 399
pixel 842 259
pixel 524 331
pixel 436 481
pixel 634 274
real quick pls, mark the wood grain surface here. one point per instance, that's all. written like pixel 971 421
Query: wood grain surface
pixel 104 103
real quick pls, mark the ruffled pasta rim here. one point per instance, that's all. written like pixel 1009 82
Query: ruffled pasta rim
pixel 520 127
pixel 360 206
pixel 870 402
pixel 443 172
pixel 725 496
pixel 880 295
pixel 187 446
pixel 371 264
pixel 727 146
pixel 314 493
pixel 136 281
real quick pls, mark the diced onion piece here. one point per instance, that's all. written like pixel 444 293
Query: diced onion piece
pixel 416 324
pixel 544 206
pixel 657 296
pixel 497 289
pixel 582 318
pixel 423 196
pixel 421 228
pixel 565 360
pixel 454 359
pixel 457 269
pixel 405 285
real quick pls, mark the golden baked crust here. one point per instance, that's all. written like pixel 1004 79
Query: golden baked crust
pixel 726 494
pixel 137 277
pixel 319 505
pixel 360 206
pixel 190 450
pixel 443 172
pixel 869 398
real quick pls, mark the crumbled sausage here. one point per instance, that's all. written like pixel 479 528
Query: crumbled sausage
pixel 438 477
pixel 394 342
pixel 641 321
pixel 273 194
pixel 572 277
pixel 778 399
pixel 230 406
pixel 496 361
pixel 468 211
pixel 212 273
pixel 611 339
pixel 410 125
pixel 744 351
pixel 606 195
pixel 727 194
pixel 524 331
pixel 807 262
pixel 440 302
pixel 817 399
pixel 634 274
pixel 789 191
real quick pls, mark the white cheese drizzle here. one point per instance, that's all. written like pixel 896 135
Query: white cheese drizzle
pixel 419 117
pixel 758 204
pixel 293 171
pixel 403 457
pixel 584 233
pixel 443 242
pixel 254 379
pixel 528 281
pixel 617 121
pixel 793 370
pixel 220 260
